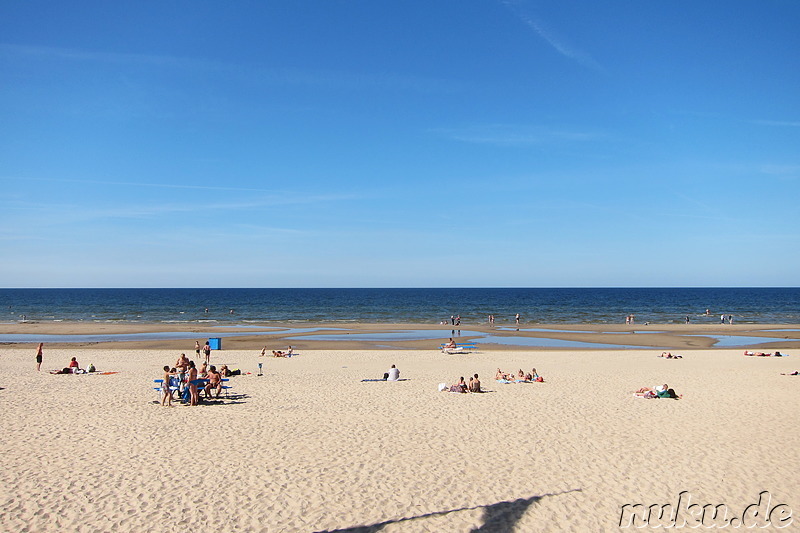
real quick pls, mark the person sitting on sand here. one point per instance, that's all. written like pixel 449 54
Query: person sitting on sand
pixel 73 365
pixel 475 384
pixel 461 386
pixel 289 351
pixel 203 370
pixel 393 374
pixel 224 371
pixel 451 344
pixel 214 382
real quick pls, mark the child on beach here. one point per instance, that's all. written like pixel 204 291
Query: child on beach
pixel 166 394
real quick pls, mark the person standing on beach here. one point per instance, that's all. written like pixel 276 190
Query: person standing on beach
pixel 207 352
pixel 191 381
pixel 166 393
pixel 181 367
pixel 516 318
pixel 197 348
pixel 39 356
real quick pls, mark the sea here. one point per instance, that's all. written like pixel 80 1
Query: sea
pixel 241 307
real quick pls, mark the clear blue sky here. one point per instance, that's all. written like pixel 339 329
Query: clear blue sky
pixel 399 143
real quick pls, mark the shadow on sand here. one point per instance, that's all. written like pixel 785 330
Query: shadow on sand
pixel 500 517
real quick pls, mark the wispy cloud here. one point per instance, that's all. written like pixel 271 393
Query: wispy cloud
pixel 550 36
pixel 513 135
pixel 781 171
pixel 75 54
pixel 283 194
pixel 779 123
pixel 251 72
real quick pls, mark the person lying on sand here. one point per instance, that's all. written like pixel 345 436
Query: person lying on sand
pixel 662 391
pixel 668 355
pixel 795 373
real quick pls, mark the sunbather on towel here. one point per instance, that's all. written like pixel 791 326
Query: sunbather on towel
pixel 461 386
pixel 661 391
pixel 475 384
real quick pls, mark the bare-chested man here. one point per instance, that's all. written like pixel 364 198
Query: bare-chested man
pixel 181 365
pixel 214 381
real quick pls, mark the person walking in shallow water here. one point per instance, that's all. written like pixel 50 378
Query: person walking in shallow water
pixel 39 356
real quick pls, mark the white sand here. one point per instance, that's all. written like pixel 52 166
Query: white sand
pixel 309 447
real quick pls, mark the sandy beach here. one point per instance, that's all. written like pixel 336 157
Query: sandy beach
pixel 309 446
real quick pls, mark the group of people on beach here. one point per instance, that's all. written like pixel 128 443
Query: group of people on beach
pixel 72 368
pixel 455 320
pixel 185 377
pixel 278 353
pixel 518 377
pixel 462 386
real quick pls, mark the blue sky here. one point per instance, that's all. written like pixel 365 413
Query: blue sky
pixel 399 143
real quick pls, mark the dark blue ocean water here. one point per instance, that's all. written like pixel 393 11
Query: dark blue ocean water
pixel 412 306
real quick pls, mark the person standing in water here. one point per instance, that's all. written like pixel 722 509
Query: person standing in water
pixel 39 356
